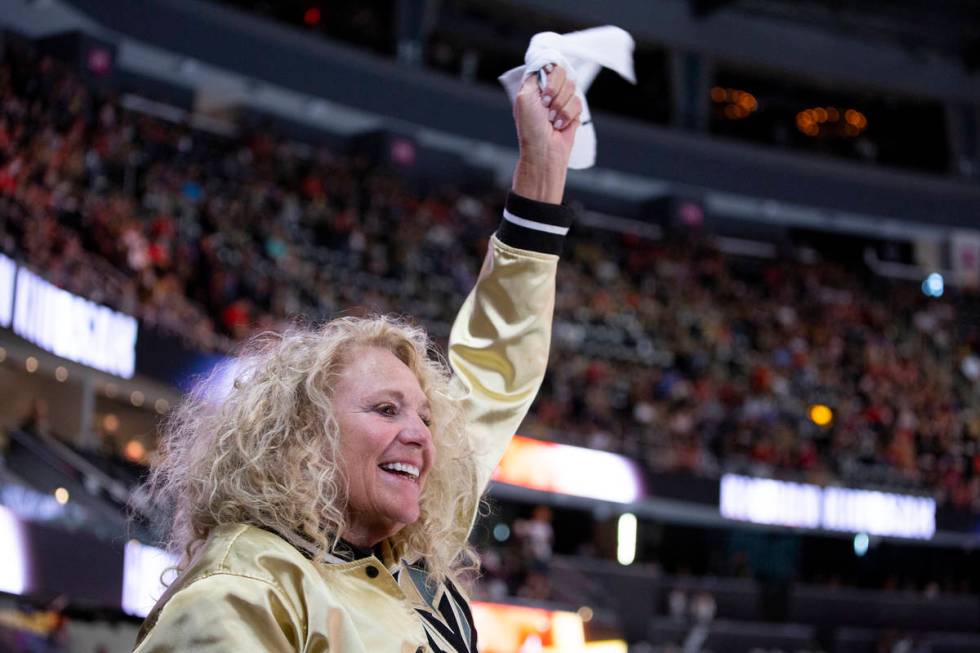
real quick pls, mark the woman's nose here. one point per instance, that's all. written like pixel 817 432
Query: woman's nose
pixel 415 432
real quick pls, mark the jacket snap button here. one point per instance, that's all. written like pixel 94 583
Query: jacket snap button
pixel 371 571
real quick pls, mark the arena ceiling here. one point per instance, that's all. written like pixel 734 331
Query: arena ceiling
pixel 951 27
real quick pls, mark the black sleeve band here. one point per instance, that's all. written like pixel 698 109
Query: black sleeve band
pixel 537 226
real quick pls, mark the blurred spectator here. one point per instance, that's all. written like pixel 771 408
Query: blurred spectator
pixel 703 607
pixel 536 537
pixel 677 604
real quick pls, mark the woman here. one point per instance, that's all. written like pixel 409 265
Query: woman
pixel 325 503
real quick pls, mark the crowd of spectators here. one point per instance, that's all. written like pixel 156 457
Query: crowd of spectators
pixel 672 353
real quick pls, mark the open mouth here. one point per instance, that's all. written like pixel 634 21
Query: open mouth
pixel 404 470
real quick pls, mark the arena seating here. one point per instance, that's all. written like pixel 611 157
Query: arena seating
pixel 688 359
pixel 671 352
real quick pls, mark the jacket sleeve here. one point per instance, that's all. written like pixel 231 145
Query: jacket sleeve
pixel 223 613
pixel 499 343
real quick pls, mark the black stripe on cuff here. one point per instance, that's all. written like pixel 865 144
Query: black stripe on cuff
pixel 524 238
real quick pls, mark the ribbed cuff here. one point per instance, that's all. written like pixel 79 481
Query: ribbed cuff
pixel 537 226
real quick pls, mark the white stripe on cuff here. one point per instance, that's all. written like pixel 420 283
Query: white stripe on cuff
pixel 537 226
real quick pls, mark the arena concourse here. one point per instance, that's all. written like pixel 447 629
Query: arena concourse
pixel 760 428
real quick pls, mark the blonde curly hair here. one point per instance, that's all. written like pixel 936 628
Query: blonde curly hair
pixel 266 453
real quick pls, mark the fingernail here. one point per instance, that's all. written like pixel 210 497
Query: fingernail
pixel 546 99
pixel 551 115
pixel 559 123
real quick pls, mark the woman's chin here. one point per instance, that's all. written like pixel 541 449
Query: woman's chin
pixel 407 516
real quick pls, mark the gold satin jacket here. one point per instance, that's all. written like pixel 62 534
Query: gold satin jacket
pixel 250 590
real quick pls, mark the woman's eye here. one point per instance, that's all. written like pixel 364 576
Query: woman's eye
pixel 387 409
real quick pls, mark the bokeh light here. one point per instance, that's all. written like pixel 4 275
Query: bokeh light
pixel 821 415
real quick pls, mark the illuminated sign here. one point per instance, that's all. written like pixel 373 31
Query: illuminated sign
pixel 73 327
pixel 560 468
pixel 878 513
pixel 767 501
pixel 508 628
pixel 8 270
pixel 13 552
pixel 143 570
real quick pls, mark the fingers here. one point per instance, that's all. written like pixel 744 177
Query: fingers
pixel 556 79
pixel 559 96
pixel 569 113
pixel 529 87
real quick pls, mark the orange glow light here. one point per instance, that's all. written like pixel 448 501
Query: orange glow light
pixel 821 415
pixel 518 628
pixel 563 469
pixel 110 423
pixel 739 103
pixel 746 101
pixel 135 451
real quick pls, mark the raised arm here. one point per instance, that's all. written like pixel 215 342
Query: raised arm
pixel 501 338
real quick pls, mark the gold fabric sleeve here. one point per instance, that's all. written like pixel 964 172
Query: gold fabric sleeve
pixel 499 346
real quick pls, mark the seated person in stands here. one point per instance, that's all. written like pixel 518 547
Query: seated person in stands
pixel 324 503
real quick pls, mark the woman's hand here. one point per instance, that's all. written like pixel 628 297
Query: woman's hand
pixel 546 123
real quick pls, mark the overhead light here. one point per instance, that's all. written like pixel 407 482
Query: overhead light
pixel 821 415
pixel 110 423
pixel 626 539
pixel 501 532
pixel 861 543
pixel 933 285
pixel 135 451
pixel 738 104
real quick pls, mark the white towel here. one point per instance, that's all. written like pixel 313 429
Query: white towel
pixel 581 54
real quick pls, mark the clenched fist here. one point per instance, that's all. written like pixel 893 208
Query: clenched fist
pixel 546 122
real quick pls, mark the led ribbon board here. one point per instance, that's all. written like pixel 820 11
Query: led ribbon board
pixel 802 505
pixel 506 628
pixel 564 469
pixel 8 270
pixel 143 570
pixel 14 554
pixel 72 327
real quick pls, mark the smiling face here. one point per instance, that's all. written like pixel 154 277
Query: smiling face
pixel 385 444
